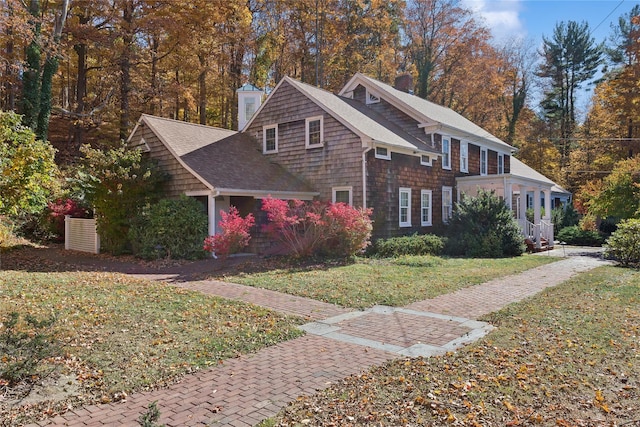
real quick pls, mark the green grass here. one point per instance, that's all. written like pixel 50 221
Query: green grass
pixel 119 334
pixel 569 356
pixel 394 281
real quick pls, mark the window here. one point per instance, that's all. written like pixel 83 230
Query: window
pixel 500 164
pixel 405 207
pixel 270 139
pixel 425 160
pixel 446 153
pixel 464 157
pixel 483 161
pixel 447 203
pixel 425 208
pixel 342 195
pixel 143 146
pixel 249 107
pixel 383 153
pixel 314 132
pixel 371 98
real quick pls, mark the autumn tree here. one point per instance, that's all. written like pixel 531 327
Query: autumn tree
pixel 624 80
pixel 365 37
pixel 433 28
pixel 14 32
pixel 27 168
pixel 619 193
pixel 518 57
pixel 612 123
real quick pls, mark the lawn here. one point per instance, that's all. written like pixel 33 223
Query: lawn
pixel 394 281
pixel 118 334
pixel 569 356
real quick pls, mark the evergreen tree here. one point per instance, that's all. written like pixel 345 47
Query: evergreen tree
pixel 571 59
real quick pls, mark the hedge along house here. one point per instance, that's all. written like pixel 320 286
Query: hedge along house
pixel 372 145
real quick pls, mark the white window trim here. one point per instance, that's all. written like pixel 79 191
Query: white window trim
pixel 447 190
pixel 500 164
pixel 464 149
pixel 306 131
pixel 486 161
pixel 446 154
pixel 423 194
pixel 334 190
pixel 407 223
pixel 425 163
pixel 142 146
pixel 382 156
pixel 371 98
pixel 264 139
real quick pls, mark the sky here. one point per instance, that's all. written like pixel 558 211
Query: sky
pixel 531 19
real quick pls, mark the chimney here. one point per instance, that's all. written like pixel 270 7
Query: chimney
pixel 404 83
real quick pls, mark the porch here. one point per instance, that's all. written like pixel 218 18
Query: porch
pixel 519 193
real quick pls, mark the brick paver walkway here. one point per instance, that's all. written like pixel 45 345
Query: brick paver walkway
pixel 339 343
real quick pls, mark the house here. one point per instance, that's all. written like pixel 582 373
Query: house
pixel 371 145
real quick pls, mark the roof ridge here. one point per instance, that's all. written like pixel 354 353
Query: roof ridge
pixel 151 116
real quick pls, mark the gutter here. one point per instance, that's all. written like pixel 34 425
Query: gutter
pixel 364 177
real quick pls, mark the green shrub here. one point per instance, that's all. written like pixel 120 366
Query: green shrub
pixel 171 228
pixel 417 244
pixel 24 346
pixel 574 235
pixel 531 213
pixel 119 184
pixel 563 217
pixel 624 243
pixel 483 226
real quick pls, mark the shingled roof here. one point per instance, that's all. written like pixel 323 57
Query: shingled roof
pixel 428 112
pixel 360 120
pixel 225 160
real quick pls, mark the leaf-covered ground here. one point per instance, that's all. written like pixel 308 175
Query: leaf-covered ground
pixel 394 281
pixel 118 335
pixel 568 357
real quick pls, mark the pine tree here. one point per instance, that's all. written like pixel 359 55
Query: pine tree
pixel 571 59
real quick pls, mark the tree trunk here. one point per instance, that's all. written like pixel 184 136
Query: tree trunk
pixel 202 88
pixel 9 102
pixel 80 91
pixel 125 68
pixel 31 76
pixel 50 69
pixel 154 76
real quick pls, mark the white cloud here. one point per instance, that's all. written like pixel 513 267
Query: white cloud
pixel 501 16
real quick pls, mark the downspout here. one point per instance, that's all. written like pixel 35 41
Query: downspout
pixel 364 177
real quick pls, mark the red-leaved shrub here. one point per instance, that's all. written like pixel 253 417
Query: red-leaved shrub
pixel 58 209
pixel 315 228
pixel 235 234
pixel 349 229
pixel 296 224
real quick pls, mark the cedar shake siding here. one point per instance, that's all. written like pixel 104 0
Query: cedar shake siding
pixel 338 163
pixel 474 159
pixel 394 115
pixel 181 180
pixel 384 180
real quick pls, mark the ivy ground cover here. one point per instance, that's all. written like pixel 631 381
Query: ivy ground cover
pixel 569 356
